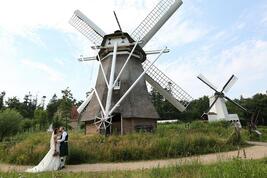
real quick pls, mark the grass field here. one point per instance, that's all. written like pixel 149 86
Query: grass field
pixel 231 169
pixel 254 137
pixel 168 141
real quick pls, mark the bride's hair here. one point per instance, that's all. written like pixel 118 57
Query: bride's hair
pixel 55 130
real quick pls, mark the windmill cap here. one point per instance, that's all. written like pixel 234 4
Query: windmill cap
pixel 119 34
pixel 118 31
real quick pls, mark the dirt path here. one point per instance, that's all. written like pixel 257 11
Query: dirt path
pixel 257 143
pixel 253 152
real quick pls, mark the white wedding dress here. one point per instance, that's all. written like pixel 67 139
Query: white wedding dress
pixel 49 162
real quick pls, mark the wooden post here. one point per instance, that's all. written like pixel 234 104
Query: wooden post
pixel 121 125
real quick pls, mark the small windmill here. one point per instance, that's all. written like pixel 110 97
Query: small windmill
pixel 120 100
pixel 217 109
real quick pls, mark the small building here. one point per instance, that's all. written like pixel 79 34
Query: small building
pixel 74 118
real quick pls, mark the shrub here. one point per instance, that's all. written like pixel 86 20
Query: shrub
pixel 26 124
pixel 9 123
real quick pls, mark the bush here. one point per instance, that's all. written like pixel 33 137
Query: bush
pixel 9 123
pixel 26 124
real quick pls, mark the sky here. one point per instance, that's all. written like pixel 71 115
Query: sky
pixel 39 49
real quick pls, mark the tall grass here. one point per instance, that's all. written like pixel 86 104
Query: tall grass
pixel 255 137
pixel 169 141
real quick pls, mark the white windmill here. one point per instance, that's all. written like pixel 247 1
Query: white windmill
pixel 120 99
pixel 217 109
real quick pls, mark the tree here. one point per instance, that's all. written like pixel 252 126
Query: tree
pixel 196 108
pixel 28 106
pixel 40 116
pixel 257 103
pixel 13 103
pixel 65 106
pixel 26 124
pixel 52 108
pixel 9 123
pixel 157 100
pixel 2 95
pixel 167 111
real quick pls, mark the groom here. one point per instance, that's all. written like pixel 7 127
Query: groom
pixel 63 148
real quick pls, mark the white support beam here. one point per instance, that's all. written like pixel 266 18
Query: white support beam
pixel 111 80
pixel 81 59
pixel 85 103
pixel 133 85
pixel 99 101
pixel 156 52
pixel 124 65
pixel 103 72
pixel 119 45
pixel 102 69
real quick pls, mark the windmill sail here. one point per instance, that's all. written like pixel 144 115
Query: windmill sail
pixel 229 84
pixel 155 20
pixel 85 103
pixel 205 80
pixel 87 27
pixel 174 93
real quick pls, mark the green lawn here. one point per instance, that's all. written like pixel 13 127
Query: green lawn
pixel 230 169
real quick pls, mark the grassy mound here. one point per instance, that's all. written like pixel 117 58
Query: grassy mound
pixel 169 141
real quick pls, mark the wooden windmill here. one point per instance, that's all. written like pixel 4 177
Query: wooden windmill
pixel 120 100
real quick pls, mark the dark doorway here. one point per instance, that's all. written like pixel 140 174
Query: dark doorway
pixel 116 123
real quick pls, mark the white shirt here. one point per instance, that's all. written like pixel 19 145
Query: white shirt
pixel 64 134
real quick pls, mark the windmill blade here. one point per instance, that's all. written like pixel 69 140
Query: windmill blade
pixel 229 84
pixel 155 20
pixel 157 79
pixel 205 80
pixel 85 103
pixel 235 103
pixel 88 28
pixel 212 104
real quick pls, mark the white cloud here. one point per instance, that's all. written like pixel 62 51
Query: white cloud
pixel 24 18
pixel 11 79
pixel 264 15
pixel 247 60
pixel 52 73
pixel 264 20
pixel 186 26
pixel 183 33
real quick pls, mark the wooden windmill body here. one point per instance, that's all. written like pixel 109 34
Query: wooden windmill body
pixel 131 113
pixel 120 101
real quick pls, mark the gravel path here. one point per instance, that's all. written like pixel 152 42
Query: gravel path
pixel 253 152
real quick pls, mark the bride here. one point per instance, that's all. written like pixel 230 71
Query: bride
pixel 51 161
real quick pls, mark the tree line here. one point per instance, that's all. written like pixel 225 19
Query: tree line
pixel 27 115
pixel 256 104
